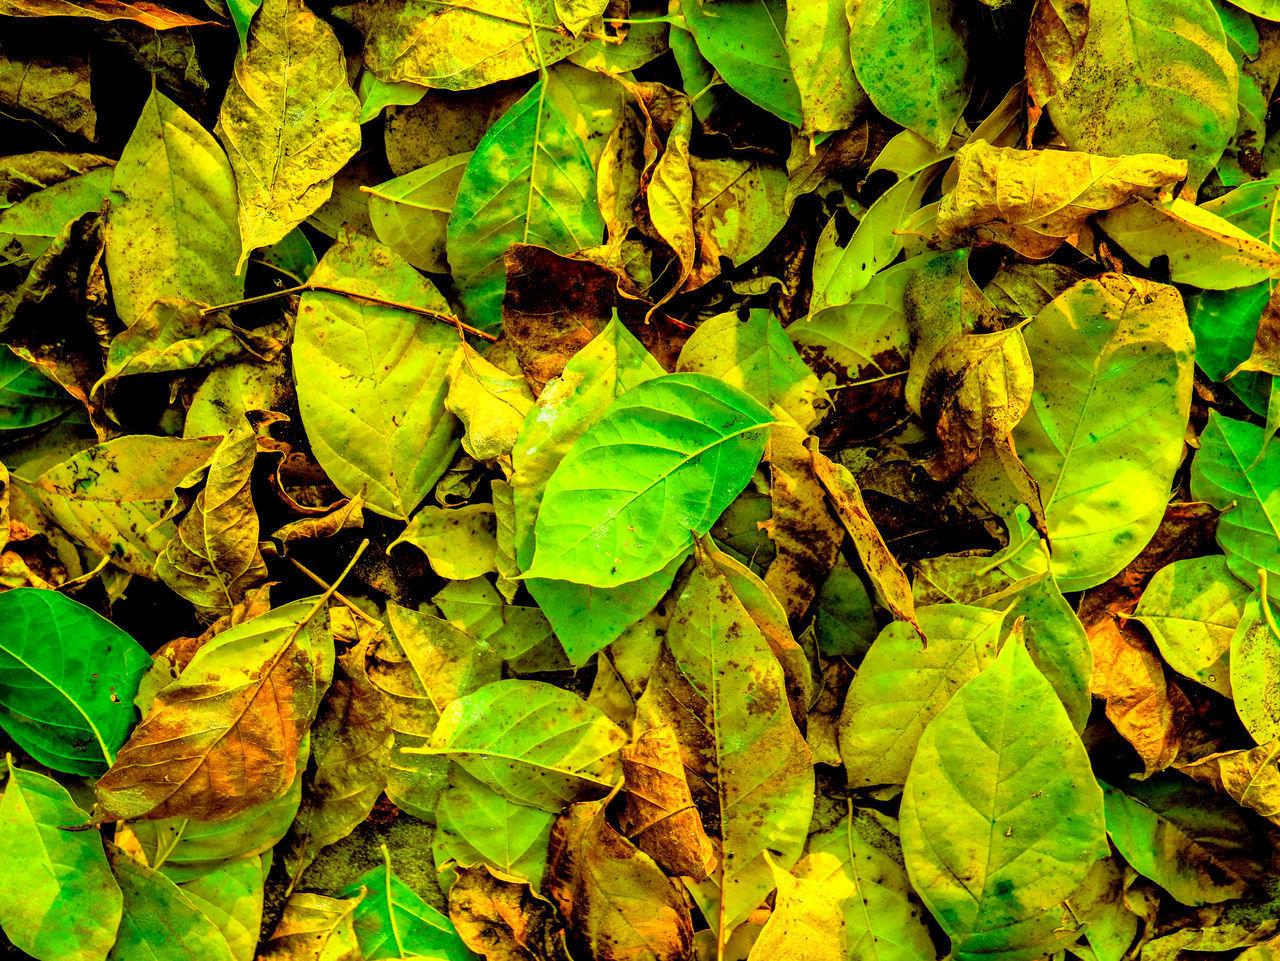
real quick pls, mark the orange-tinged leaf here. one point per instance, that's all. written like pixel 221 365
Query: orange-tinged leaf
pixel 225 735
pixel 660 816
pixel 618 901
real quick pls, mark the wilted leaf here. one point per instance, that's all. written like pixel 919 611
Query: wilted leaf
pixel 806 923
pixel 900 687
pixel 720 687
pixel 177 243
pixel 213 560
pixel 1099 99
pixel 490 403
pixel 225 736
pixel 1158 848
pixel 373 409
pixel 1031 201
pixel 477 825
pixel 620 903
pixel 113 498
pixel 314 928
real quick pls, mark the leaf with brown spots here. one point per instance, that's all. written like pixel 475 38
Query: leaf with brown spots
pixel 881 566
pixel 620 904
pixel 660 816
pixel 225 735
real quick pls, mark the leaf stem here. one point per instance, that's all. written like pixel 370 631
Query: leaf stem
pixel 344 600
pixel 371 298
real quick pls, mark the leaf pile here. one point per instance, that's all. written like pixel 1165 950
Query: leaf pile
pixel 639 480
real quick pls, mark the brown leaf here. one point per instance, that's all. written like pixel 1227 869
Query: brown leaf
pixel 618 901
pixel 660 816
pixel 148 14
pixel 225 736
pixel 496 917
pixel 1054 37
pixel 1265 356
pixel 1143 706
pixel 807 538
pixel 350 746
pixel 881 566
pixel 347 516
pixel 553 306
pixel 1033 200
pixel 1250 777
pixel 213 559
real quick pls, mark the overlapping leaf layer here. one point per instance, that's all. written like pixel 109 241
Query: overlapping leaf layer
pixel 639 480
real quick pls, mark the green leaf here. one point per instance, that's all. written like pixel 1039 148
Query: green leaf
pixel 756 356
pixel 231 897
pixel 911 59
pixel 664 461
pixel 743 40
pixel 227 734
pixel 179 242
pixel 720 686
pixel 1160 848
pixel 1104 435
pixel 1105 104
pixel 612 363
pixel 28 227
pixel 371 377
pixel 1058 645
pixel 817 39
pixel 27 397
pixel 533 743
pixel 1254 658
pixel 859 862
pixel 160 921
pixel 422 665
pixel 531 180
pixel 902 685
pixel 58 900
pixel 1192 607
pixel 393 922
pixel 477 825
pixel 287 129
pixel 410 214
pixel 457 46
pixel 1001 815
pixel 1232 470
pixel 839 273
pixel 67 680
